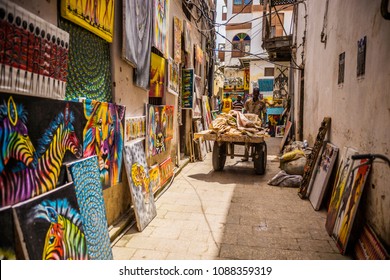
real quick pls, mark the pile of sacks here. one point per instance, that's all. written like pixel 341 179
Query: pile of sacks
pixel 235 123
pixel 292 164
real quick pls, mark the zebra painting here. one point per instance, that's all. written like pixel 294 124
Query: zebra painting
pixel 28 182
pixel 14 140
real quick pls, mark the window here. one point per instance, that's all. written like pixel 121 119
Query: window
pixel 269 71
pixel 221 51
pixel 277 25
pixel 241 45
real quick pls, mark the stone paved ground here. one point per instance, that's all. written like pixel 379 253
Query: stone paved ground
pixel 233 214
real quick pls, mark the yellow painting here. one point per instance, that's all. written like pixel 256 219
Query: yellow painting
pixel 96 16
pixel 157 76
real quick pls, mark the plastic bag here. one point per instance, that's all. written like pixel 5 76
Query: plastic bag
pixel 283 179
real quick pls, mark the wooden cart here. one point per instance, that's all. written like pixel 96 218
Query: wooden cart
pixel 255 147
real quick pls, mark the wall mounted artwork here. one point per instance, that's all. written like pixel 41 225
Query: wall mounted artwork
pixel 49 222
pixel 89 71
pixel 322 174
pixel 177 35
pixel 159 130
pixel 341 181
pixel 187 29
pixel 95 16
pixel 160 25
pixel 85 175
pixel 139 182
pixel 187 88
pixel 135 128
pixel 7 235
pixel 361 57
pixel 197 98
pixel 34 54
pixel 173 77
pixel 137 38
pixel 157 76
pixel 349 204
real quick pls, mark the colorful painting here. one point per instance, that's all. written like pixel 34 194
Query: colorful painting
pixel 160 25
pixel 247 78
pixel 197 99
pixel 139 182
pixel 7 235
pixel 166 170
pixel 187 88
pixel 159 129
pixel 343 171
pixel 137 38
pixel 173 77
pixel 85 175
pixel 177 31
pixel 322 174
pixel 38 134
pixel 34 54
pixel 157 76
pixel 368 246
pixel 51 226
pixel 135 128
pixel 349 205
pixel 187 36
pixel 199 56
pixel 103 136
pixel 95 16
pixel 89 72
pixel 207 118
pixel 155 178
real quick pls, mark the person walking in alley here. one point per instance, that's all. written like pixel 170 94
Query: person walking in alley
pixel 238 105
pixel 227 104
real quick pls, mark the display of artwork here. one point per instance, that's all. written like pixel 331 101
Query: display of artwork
pixel 89 74
pixel 201 145
pixel 103 136
pixel 155 178
pixel 187 36
pixel 279 130
pixel 321 175
pixel 312 158
pixel 139 182
pixel 166 170
pixel 7 235
pixel 349 204
pixel 368 246
pixel 85 175
pixel 34 54
pixel 197 98
pixel 177 31
pixel 207 118
pixel 199 56
pixel 157 76
pixel 51 227
pixel 159 129
pixel 135 128
pixel 137 38
pixel 187 88
pixel 247 78
pixel 343 171
pixel 173 77
pixel 95 16
pixel 160 25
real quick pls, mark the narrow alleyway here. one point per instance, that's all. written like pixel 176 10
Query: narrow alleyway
pixel 231 214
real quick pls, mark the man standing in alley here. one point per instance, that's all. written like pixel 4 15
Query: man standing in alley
pixel 227 104
pixel 255 105
pixel 238 104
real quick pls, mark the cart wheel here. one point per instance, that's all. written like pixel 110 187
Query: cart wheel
pixel 219 156
pixel 260 158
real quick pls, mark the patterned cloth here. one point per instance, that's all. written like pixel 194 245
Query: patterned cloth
pixel 238 105
pixel 255 107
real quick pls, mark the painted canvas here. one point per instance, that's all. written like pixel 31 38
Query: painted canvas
pixel 7 235
pixel 137 38
pixel 166 170
pixel 89 72
pixel 85 175
pixel 197 99
pixel 103 136
pixel 160 25
pixel 155 178
pixel 322 174
pixel 206 112
pixel 95 16
pixel 51 226
pixel 368 246
pixel 187 36
pixel 187 88
pixel 38 135
pixel 135 128
pixel 349 205
pixel 157 76
pixel 177 34
pixel 34 54
pixel 343 171
pixel 173 77
pixel 139 182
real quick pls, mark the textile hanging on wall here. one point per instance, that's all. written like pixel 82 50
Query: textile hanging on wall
pixel 34 54
pixel 159 130
pixel 177 31
pixel 160 31
pixel 40 134
pixel 139 182
pixel 135 128
pixel 95 16
pixel 157 76
pixel 137 38
pixel 173 77
pixel 54 215
pixel 86 178
pixel 7 240
pixel 89 73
